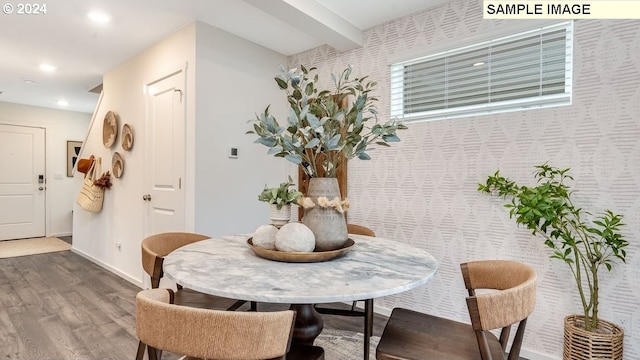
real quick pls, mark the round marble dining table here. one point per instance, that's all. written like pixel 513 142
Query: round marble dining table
pixel 373 268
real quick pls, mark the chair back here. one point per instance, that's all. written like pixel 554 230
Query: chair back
pixel 211 334
pixel 359 230
pixel 156 247
pixel 511 304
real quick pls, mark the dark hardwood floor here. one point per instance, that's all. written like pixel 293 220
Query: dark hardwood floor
pixel 62 306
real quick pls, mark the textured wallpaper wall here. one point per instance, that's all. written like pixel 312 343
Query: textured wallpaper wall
pixel 423 190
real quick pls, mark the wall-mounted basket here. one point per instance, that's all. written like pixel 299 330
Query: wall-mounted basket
pixel 110 129
pixel 117 165
pixel 127 137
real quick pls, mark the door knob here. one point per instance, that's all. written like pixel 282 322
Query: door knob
pixel 146 197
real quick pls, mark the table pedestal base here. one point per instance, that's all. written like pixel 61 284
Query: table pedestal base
pixel 308 324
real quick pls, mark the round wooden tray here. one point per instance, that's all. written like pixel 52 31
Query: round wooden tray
pixel 300 257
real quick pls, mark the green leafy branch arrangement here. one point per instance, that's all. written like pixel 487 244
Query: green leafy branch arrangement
pixel 548 210
pixel 322 126
pixel 280 195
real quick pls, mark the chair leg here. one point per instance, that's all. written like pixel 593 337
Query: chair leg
pixel 141 348
pixel 368 326
pixel 253 306
pixel 236 305
pixel 514 353
pixel 152 353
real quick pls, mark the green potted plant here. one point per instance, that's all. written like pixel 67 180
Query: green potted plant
pixel 548 210
pixel 280 198
pixel 323 129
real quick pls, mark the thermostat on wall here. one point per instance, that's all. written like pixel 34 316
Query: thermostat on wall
pixel 233 152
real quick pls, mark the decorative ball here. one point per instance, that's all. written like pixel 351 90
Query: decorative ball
pixel 265 237
pixel 295 237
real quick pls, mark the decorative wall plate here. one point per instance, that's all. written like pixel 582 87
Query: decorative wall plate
pixel 127 137
pixel 117 164
pixel 110 129
pixel 300 257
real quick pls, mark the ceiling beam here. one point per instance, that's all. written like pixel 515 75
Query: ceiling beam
pixel 315 20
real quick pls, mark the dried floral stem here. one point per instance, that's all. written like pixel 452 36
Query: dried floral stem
pixel 340 205
pixel 104 181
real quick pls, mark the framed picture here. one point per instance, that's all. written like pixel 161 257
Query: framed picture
pixel 73 151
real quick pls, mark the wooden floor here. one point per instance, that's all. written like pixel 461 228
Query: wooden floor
pixel 62 306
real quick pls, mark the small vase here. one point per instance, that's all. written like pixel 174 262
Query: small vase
pixel 280 216
pixel 328 225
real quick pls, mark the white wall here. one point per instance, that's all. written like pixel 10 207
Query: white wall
pixel 60 126
pixel 121 220
pixel 423 190
pixel 234 81
pixel 226 83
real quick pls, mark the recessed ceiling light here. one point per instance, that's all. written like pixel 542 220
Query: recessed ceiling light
pixel 29 81
pixel 62 102
pixel 47 68
pixel 99 17
pixel 479 63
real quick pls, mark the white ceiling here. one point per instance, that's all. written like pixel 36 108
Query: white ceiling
pixel 83 51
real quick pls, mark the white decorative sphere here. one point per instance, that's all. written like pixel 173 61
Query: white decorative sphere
pixel 265 237
pixel 295 237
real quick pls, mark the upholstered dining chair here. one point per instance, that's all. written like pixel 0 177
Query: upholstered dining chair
pixel 156 247
pixel 209 334
pixel 367 312
pixel 511 297
pixel 360 230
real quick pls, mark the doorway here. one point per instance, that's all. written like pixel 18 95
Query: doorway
pixel 22 182
pixel 165 154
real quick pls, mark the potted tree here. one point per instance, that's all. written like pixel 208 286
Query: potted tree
pixel 324 128
pixel 280 198
pixel 547 209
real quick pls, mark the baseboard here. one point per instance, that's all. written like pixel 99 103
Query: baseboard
pixel 532 355
pixel 60 234
pixel 108 267
pixel 380 310
pixel 524 353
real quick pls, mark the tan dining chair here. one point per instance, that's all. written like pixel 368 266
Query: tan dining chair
pixel 209 334
pixel 412 335
pixel 367 312
pixel 360 230
pixel 156 247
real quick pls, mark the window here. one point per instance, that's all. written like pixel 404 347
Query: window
pixel 527 70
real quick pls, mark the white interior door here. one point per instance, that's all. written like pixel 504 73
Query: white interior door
pixel 166 154
pixel 22 182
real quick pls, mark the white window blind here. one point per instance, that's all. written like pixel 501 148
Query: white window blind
pixel 527 70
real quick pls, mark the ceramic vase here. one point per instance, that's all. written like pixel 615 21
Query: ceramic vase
pixel 328 225
pixel 280 216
